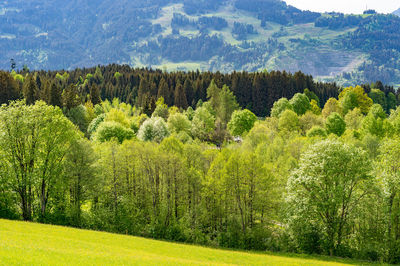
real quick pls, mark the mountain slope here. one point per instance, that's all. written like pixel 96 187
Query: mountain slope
pixel 36 244
pixel 223 35
pixel 397 12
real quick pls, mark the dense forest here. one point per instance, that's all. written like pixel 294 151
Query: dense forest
pixel 258 161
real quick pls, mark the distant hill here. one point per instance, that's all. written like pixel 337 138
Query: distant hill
pixel 397 12
pixel 222 35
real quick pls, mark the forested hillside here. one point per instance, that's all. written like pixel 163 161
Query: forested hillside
pixel 315 171
pixel 224 35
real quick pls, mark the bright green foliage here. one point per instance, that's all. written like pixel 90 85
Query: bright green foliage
pixel 64 77
pixel 79 116
pixel 227 105
pixel 325 191
pixel 95 123
pixel 203 123
pixel 161 109
pixel 178 123
pixel 335 124
pixel 107 131
pixel 308 120
pixel 315 107
pixel 357 98
pixel 289 121
pixel 378 97
pixel 34 141
pixel 80 173
pixel 394 119
pixel 98 76
pixel 199 186
pixel 312 96
pixel 117 75
pixel 353 119
pixel 279 106
pixel 116 115
pixel 316 131
pixel 222 101
pixel 213 94
pixel 241 122
pixel 374 122
pixel 301 103
pixel 153 129
pixel 349 102
pixel 391 102
pixel 377 111
pixel 389 175
pixel 331 106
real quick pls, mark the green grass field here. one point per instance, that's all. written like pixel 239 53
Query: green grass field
pixel 24 243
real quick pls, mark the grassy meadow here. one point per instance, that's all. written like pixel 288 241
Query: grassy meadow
pixel 24 243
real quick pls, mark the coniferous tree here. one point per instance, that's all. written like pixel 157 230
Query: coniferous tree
pixel 55 96
pixel 70 97
pixel 188 89
pixel 163 91
pixel 8 88
pixel 180 96
pixel 95 94
pixel 30 90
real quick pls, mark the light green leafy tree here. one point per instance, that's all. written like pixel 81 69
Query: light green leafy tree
pixel 326 188
pixel 203 124
pixel 301 103
pixel 241 122
pixel 34 142
pixel 335 124
pixel 279 106
pixel 153 129
pixel 107 131
pixel 178 123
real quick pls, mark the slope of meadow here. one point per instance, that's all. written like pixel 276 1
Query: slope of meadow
pixel 36 244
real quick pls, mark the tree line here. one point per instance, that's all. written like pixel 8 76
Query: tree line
pixel 142 87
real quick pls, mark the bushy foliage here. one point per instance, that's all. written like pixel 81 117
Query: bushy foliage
pixel 153 129
pixel 241 122
pixel 301 103
pixel 335 124
pixel 107 131
pixel 279 106
pixel 316 131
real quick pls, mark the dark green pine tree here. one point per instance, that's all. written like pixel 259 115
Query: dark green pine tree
pixel 180 96
pixel 95 94
pixel 143 93
pixel 163 91
pixel 55 95
pixel 188 88
pixel 70 97
pixel 8 88
pixel 30 90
